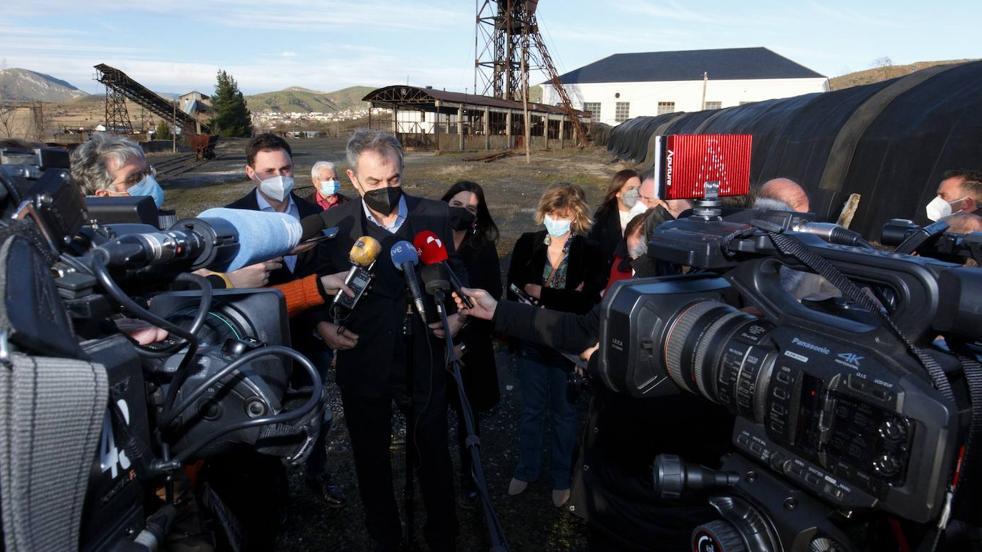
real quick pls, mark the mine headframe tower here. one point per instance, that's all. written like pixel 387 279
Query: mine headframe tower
pixel 507 45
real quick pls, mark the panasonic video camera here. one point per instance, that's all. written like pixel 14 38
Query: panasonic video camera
pixel 853 412
pixel 108 442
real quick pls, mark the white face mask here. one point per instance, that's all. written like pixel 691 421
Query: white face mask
pixel 277 187
pixel 938 208
pixel 636 250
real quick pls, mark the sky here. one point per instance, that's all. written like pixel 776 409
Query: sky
pixel 179 45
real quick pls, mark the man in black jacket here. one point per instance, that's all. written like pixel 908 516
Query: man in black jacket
pixel 384 351
pixel 269 163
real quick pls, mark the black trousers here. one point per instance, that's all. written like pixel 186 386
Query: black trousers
pixel 369 422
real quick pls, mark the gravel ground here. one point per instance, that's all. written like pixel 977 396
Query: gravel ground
pixel 512 186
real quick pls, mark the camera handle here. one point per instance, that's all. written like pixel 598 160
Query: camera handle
pixel 673 477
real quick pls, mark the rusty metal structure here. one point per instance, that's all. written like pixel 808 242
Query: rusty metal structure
pixel 120 87
pixel 507 46
pixel 431 118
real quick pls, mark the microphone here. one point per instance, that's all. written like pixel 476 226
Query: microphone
pixel 362 256
pixel 405 258
pixel 436 280
pixel 218 239
pixel 432 251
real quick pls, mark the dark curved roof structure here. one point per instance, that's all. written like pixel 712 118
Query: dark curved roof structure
pixel 719 64
pixel 888 141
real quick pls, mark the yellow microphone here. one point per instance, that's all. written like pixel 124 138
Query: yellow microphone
pixel 362 256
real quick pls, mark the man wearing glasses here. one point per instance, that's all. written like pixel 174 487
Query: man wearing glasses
pixel 110 165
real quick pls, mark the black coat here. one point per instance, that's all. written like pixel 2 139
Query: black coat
pixel 371 367
pixel 607 233
pixel 529 258
pixel 479 372
pixel 306 262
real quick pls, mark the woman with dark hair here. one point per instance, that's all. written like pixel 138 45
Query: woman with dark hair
pixel 620 205
pixel 475 239
pixel 557 267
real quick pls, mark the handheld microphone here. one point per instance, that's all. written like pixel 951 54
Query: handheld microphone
pixel 362 256
pixel 404 257
pixel 432 251
pixel 218 239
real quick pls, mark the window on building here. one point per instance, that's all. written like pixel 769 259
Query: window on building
pixel 593 108
pixel 714 105
pixel 666 107
pixel 622 111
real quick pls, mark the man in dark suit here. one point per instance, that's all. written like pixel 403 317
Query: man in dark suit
pixel 269 163
pixel 384 351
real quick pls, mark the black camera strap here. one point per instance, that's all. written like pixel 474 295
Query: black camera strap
pixel 792 247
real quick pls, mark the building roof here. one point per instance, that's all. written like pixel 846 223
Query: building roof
pixel 424 99
pixel 687 65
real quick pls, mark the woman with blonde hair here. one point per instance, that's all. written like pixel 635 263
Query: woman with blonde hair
pixel 558 268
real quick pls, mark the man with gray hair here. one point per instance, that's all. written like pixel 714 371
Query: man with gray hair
pixel 385 352
pixel 327 188
pixel 110 165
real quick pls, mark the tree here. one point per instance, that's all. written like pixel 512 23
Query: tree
pixel 162 131
pixel 881 62
pixel 232 117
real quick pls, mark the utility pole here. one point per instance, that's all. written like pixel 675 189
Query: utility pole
pixel 173 128
pixel 705 82
pixel 525 101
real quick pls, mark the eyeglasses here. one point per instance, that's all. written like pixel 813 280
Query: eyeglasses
pixel 134 178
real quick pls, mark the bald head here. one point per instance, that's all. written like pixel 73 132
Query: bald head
pixel 788 191
pixel 964 223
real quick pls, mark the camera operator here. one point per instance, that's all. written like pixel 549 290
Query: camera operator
pixel 613 487
pixel 384 352
pixel 108 165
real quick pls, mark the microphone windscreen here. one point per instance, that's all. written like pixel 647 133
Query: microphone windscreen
pixel 403 252
pixel 261 236
pixel 430 247
pixel 312 226
pixel 364 252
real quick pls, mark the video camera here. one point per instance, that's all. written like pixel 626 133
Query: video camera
pixel 856 418
pixel 100 431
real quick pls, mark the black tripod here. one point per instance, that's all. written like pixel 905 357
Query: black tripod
pixel 438 285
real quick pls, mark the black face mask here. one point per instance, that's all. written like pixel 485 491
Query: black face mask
pixel 461 219
pixel 383 200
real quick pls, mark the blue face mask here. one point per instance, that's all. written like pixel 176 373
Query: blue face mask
pixel 329 187
pixel 148 187
pixel 557 227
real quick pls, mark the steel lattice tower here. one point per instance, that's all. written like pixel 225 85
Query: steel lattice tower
pixel 117 117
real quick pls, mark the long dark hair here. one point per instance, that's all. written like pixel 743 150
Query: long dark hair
pixel 487 230
pixel 610 198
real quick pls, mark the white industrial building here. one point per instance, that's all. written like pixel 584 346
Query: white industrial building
pixel 623 86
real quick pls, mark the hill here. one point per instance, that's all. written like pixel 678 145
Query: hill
pixel 25 85
pixel 302 100
pixel 878 74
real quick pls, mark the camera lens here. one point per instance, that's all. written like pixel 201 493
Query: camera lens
pixel 713 349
